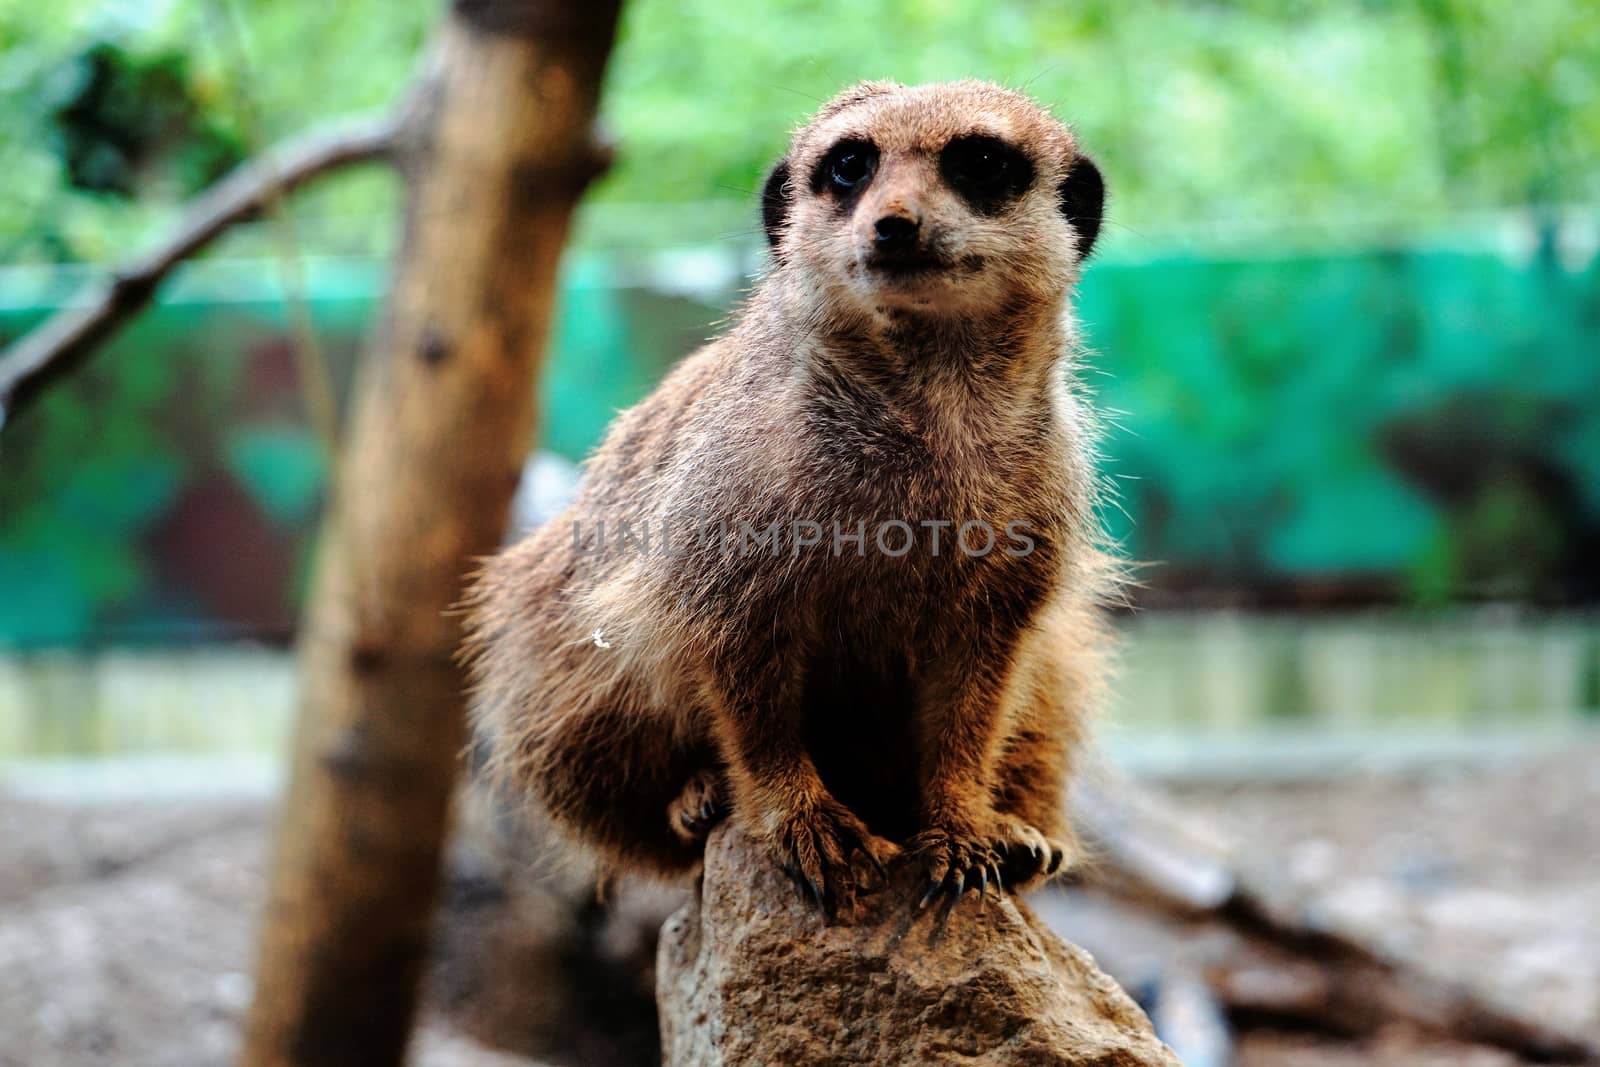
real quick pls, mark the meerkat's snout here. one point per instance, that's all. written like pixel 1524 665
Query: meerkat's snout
pixel 893 241
pixel 895 233
pixel 903 234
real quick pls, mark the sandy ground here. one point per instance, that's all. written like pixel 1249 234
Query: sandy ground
pixel 126 931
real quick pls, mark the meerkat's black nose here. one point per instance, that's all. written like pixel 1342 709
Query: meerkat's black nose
pixel 896 232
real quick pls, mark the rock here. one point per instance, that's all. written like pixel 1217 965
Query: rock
pixel 748 973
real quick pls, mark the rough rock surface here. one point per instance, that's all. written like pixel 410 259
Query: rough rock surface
pixel 747 973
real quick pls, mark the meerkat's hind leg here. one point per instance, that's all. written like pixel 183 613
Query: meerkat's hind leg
pixel 1066 678
pixel 1029 798
pixel 614 776
pixel 700 807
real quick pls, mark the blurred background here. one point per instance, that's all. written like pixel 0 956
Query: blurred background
pixel 1344 324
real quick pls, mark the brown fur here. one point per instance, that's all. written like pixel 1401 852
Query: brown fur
pixel 841 706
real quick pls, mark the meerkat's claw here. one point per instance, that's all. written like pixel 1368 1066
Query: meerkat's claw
pixel 856 842
pixel 877 865
pixel 1025 855
pixel 823 899
pixel 955 862
pixel 698 808
pixel 820 840
pixel 810 889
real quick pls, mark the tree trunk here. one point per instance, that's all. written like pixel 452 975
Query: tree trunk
pixel 497 149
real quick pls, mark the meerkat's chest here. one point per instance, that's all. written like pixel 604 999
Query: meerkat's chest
pixel 908 552
pixel 939 491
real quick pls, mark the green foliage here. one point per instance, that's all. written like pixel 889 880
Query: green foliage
pixel 188 86
pixel 1342 119
pixel 128 122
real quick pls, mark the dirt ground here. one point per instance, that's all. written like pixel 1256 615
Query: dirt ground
pixel 1487 873
pixel 126 931
pixel 126 935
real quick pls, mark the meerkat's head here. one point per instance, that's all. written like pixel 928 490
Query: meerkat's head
pixel 934 199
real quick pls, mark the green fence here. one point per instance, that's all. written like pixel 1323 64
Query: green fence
pixel 1368 426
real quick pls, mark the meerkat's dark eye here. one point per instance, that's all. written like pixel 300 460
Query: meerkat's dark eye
pixel 985 170
pixel 849 169
pixel 979 162
pixel 849 165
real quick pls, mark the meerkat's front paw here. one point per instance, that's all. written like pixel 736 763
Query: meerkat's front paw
pixel 699 807
pixel 955 859
pixel 816 845
pixel 1026 855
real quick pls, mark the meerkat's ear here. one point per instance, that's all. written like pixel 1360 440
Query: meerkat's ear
pixel 1082 197
pixel 775 202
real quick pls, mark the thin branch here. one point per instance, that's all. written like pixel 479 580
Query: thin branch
pixel 61 343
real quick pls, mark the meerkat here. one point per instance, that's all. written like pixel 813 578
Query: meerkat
pixel 718 625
